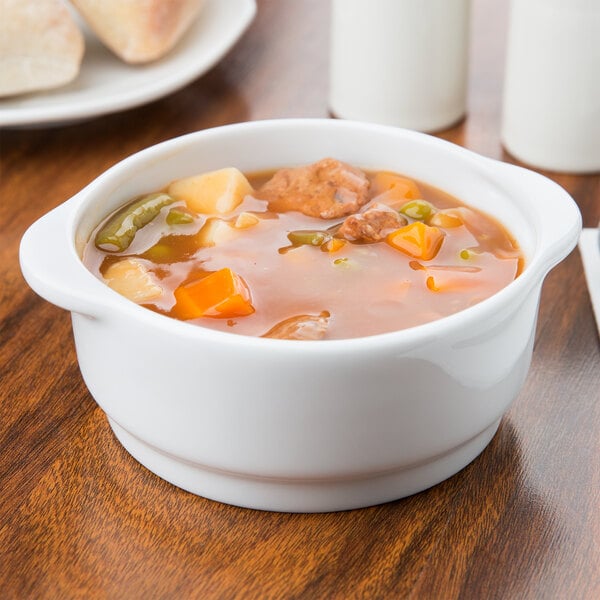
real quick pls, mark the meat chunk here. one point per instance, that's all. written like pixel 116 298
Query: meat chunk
pixel 301 327
pixel 372 225
pixel 327 189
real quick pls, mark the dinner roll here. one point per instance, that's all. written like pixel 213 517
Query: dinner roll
pixel 139 31
pixel 41 46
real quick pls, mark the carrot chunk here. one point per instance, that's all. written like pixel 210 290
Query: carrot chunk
pixel 398 188
pixel 222 294
pixel 432 285
pixel 417 240
pixel 444 219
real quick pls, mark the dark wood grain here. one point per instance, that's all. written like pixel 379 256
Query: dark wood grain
pixel 80 519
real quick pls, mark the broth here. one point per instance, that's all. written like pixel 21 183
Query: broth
pixel 348 285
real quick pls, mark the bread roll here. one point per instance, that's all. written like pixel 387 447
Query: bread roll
pixel 139 31
pixel 41 46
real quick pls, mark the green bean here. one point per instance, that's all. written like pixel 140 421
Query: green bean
pixel 119 231
pixel 420 210
pixel 160 253
pixel 179 216
pixel 309 237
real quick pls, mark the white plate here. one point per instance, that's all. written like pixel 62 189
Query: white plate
pixel 106 84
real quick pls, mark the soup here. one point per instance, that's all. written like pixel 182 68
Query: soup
pixel 322 251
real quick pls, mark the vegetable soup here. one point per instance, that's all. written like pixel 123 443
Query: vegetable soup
pixel 322 251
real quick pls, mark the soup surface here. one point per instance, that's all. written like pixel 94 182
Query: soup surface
pixel 322 251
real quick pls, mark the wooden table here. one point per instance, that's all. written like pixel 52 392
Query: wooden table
pixel 80 519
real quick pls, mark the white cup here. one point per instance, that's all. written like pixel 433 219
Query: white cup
pixel 551 115
pixel 400 62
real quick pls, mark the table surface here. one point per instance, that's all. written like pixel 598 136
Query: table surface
pixel 80 518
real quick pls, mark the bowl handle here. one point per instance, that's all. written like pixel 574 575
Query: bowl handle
pixel 557 214
pixel 52 267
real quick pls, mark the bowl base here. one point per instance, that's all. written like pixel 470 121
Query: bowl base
pixel 303 495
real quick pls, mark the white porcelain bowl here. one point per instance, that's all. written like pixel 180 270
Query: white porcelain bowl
pixel 304 426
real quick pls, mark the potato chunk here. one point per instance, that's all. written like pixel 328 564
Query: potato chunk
pixel 217 192
pixel 214 232
pixel 245 220
pixel 132 279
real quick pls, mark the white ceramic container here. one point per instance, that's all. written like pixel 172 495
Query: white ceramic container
pixel 551 113
pixel 400 62
pixel 291 425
